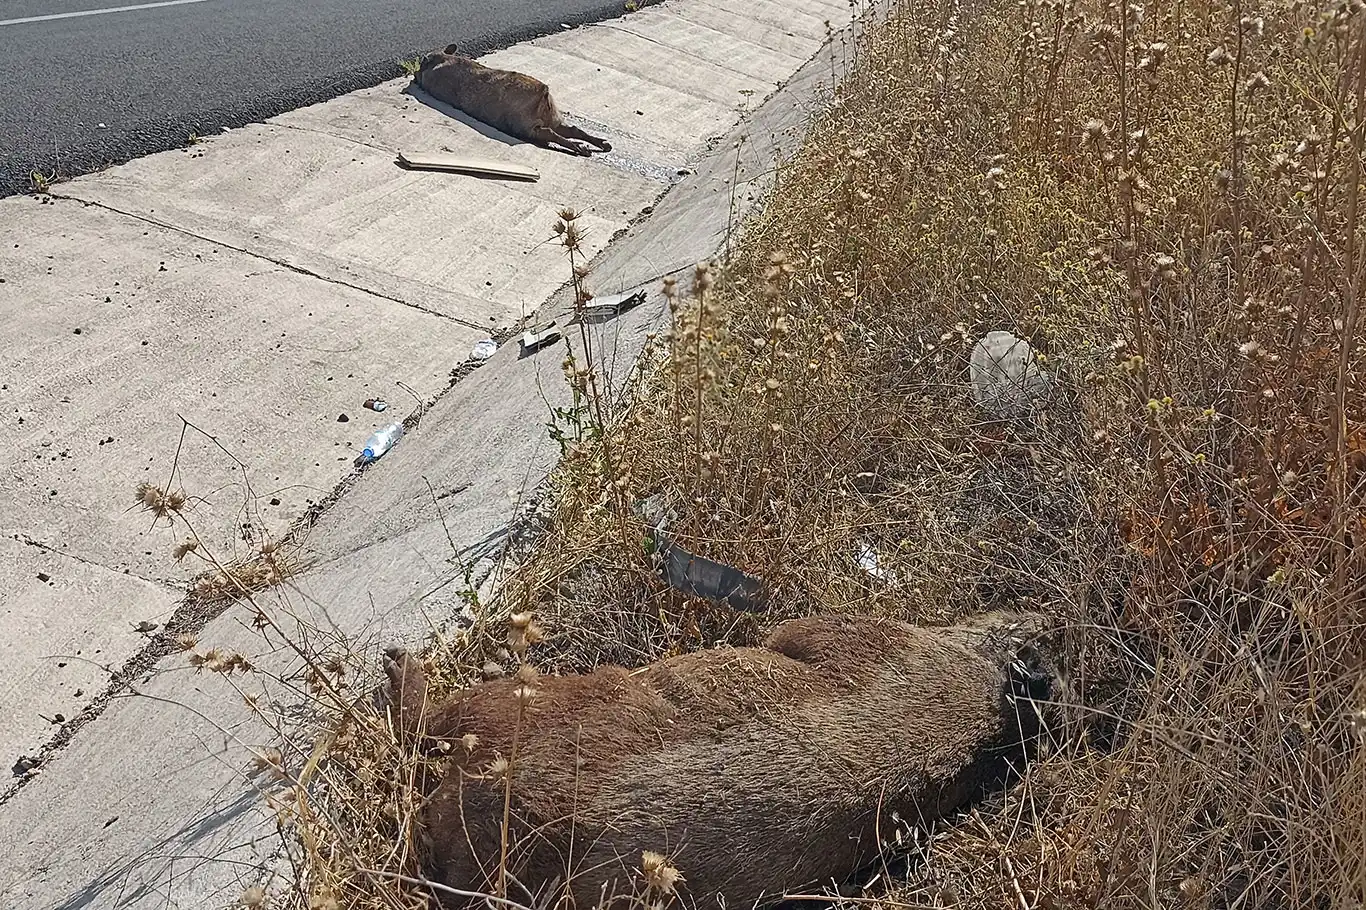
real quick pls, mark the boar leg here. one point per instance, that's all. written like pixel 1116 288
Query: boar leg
pixel 551 138
pixel 407 692
pixel 574 132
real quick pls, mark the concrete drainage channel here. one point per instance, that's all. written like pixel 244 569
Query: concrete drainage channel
pixel 262 284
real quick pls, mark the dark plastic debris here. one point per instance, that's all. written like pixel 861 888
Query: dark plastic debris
pixel 706 578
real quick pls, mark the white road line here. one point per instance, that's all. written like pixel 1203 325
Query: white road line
pixel 97 12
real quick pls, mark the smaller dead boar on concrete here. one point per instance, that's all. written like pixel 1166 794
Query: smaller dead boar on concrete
pixel 515 103
pixel 756 771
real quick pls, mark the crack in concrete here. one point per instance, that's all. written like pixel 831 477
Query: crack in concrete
pixel 298 269
pixel 699 58
pixel 169 584
pixel 662 83
pixel 188 618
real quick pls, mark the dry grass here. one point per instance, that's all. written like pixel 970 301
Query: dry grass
pixel 1165 200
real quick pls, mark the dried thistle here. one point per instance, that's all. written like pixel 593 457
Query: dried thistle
pixel 161 504
pixel 323 900
pixel 217 660
pixel 254 898
pixel 523 632
pixel 660 875
pixel 525 690
pixel 269 761
pixel 496 769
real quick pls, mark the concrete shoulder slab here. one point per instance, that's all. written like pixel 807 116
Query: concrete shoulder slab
pixel 119 328
pixel 630 104
pixel 53 668
pixel 737 50
pixel 776 36
pixel 131 818
pixel 471 250
pixel 806 18
pixel 664 64
pixel 164 808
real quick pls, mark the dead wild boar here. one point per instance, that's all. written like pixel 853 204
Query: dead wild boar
pixel 515 103
pixel 756 771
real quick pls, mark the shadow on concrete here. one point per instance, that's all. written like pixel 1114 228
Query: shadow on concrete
pixel 127 883
pixel 479 126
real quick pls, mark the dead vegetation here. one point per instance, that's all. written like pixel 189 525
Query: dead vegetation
pixel 1164 198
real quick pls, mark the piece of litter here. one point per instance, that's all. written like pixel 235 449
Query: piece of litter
pixel 460 164
pixel 380 441
pixel 655 511
pixel 376 404
pixel 485 349
pixel 536 338
pixel 869 562
pixel 607 307
pixel 1005 375
pixel 707 578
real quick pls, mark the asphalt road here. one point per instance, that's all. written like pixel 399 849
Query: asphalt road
pixel 79 90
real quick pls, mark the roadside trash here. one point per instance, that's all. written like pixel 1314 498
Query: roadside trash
pixel 459 164
pixel 1005 375
pixel 376 404
pixel 380 442
pixel 696 575
pixel 869 562
pixel 655 511
pixel 706 578
pixel 600 308
pixel 539 337
pixel 701 577
pixel 485 349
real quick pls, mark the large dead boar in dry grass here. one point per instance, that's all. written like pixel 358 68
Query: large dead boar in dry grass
pixel 515 103
pixel 754 770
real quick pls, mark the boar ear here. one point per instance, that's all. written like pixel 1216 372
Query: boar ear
pixel 452 50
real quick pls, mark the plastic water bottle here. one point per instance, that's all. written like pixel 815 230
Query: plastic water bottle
pixel 381 441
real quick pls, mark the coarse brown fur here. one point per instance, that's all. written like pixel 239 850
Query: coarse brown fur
pixel 515 103
pixel 755 770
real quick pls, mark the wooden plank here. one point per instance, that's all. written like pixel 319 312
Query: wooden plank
pixel 460 164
